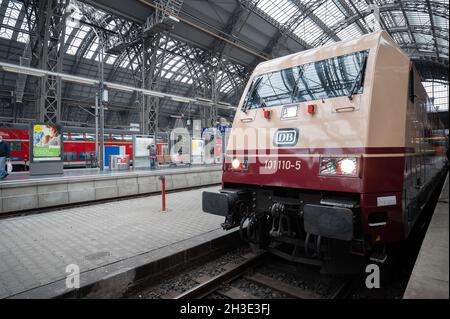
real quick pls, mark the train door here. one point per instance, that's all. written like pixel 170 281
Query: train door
pixel 162 148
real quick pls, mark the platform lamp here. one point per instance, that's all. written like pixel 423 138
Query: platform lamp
pixel 102 94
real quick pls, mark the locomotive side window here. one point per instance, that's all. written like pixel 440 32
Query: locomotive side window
pixel 338 76
pixel 411 85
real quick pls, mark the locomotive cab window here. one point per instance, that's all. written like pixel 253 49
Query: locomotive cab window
pixel 330 78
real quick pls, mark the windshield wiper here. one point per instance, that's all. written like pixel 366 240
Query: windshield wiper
pixel 254 86
pixel 359 79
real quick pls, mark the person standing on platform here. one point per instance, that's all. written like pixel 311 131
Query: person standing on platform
pixel 153 154
pixel 4 157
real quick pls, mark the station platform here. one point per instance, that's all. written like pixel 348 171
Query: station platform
pixel 113 244
pixel 21 192
pixel 429 278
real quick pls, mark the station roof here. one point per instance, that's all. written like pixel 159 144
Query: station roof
pixel 241 33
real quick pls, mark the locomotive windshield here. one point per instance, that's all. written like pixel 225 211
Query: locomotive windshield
pixel 338 76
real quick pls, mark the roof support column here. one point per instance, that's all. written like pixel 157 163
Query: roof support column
pixel 52 25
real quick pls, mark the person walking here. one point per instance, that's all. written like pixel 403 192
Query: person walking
pixel 4 157
pixel 153 154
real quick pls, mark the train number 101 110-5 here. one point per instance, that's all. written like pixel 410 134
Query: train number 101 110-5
pixel 283 164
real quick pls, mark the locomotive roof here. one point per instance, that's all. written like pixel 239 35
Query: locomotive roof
pixel 369 41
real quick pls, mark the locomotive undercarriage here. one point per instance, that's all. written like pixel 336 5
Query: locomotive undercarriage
pixel 302 226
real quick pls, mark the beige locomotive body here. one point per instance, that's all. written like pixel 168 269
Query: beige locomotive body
pixel 363 160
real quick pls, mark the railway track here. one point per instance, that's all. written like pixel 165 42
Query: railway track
pixel 222 286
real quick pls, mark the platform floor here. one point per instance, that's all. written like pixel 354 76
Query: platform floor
pixel 74 173
pixel 430 276
pixel 35 249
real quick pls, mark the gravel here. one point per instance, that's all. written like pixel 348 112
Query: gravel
pixel 186 280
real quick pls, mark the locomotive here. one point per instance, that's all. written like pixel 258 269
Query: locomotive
pixel 331 154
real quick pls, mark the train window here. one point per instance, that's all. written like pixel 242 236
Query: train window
pixel 127 138
pixel 338 76
pixel 70 156
pixel 15 146
pixel 77 137
pixel 411 84
pixel 116 137
pixel 90 137
pixel 106 137
pixel 65 136
pixel 85 156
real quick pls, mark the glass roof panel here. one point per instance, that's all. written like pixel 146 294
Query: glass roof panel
pixel 329 13
pixel 438 93
pixel 10 19
pixel 280 10
pixel 110 59
pixel 308 30
pixel 350 32
pixel 92 49
pixel 77 39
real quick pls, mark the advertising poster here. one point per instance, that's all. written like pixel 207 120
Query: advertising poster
pixel 47 142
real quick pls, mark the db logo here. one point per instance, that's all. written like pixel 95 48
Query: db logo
pixel 286 137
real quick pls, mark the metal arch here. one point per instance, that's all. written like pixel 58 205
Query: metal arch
pixel 308 11
pixel 285 31
pixel 408 25
pixel 342 5
pixel 275 23
pixel 407 6
pixel 236 21
pixel 422 29
pixel 85 45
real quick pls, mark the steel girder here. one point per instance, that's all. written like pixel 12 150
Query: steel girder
pixel 51 25
pixel 438 9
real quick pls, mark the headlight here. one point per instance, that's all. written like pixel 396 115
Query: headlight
pixel 238 165
pixel 235 164
pixel 340 166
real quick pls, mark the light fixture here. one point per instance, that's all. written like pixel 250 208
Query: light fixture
pixel 151 93
pixel 223 103
pixel 171 17
pixel 82 80
pixel 180 99
pixel 201 99
pixel 22 70
pixel 120 87
pixel 339 166
pixel 235 164
pixel 76 79
pixel 348 166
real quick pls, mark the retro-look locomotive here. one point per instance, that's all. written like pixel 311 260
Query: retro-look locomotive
pixel 331 151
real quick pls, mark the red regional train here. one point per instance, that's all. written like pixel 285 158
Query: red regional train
pixel 332 153
pixel 79 145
